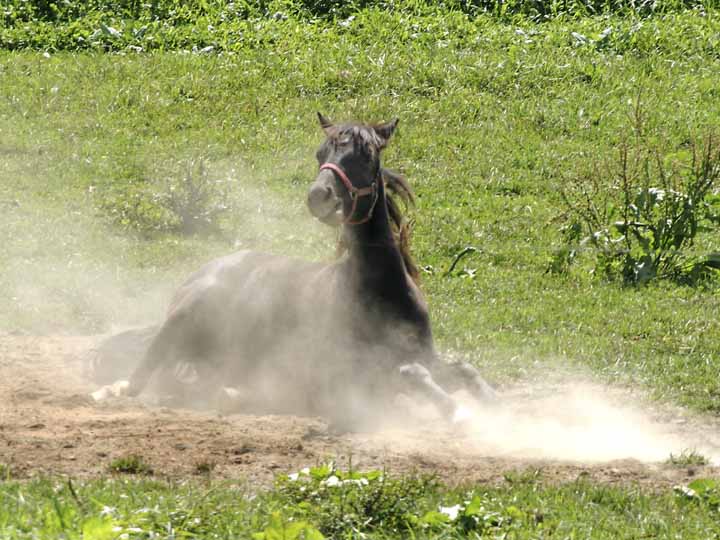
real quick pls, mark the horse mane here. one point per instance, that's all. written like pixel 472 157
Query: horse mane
pixel 398 188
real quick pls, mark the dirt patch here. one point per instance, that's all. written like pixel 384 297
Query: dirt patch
pixel 48 425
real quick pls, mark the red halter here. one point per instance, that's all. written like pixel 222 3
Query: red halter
pixel 355 194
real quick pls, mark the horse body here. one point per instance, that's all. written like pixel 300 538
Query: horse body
pixel 283 335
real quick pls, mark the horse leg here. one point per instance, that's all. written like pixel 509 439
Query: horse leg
pixel 419 379
pixel 116 356
pixel 190 383
pixel 462 375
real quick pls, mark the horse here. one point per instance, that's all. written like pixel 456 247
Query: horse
pixel 341 340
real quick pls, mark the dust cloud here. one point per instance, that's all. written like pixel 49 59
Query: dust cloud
pixel 572 420
pixel 68 269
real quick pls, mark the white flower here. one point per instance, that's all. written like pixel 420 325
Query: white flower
pixel 451 511
pixel 305 471
pixel 347 22
pixel 332 481
pixel 357 482
pixel 659 193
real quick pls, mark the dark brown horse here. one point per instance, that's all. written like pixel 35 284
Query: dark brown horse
pixel 339 340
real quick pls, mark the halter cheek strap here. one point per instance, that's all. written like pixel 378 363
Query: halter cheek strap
pixel 355 193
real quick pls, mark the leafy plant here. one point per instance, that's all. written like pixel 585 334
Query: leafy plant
pixel 473 515
pixel 351 500
pixel 706 490
pixel 641 214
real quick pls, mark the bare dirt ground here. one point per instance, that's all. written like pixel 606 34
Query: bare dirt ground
pixel 49 425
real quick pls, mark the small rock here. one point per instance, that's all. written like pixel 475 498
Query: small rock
pixel 244 449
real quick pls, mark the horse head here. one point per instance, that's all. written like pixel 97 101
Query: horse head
pixel 349 182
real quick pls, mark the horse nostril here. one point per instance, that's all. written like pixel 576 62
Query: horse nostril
pixel 320 196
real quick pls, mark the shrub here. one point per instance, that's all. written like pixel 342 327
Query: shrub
pixel 188 203
pixel 639 216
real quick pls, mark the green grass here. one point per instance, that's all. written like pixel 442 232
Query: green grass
pixel 379 506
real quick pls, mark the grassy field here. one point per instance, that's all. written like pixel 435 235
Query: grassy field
pixel 499 113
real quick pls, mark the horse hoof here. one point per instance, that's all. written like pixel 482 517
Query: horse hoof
pixel 117 389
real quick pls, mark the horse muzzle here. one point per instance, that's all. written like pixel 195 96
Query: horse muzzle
pixel 323 201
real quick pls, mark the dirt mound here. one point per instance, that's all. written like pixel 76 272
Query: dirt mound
pixel 48 425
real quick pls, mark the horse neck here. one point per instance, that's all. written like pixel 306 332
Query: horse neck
pixel 373 252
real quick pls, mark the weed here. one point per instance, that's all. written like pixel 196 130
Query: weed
pixel 187 202
pixel 528 476
pixel 130 464
pixel 703 490
pixel 282 528
pixel 641 215
pixel 688 458
pixel 196 200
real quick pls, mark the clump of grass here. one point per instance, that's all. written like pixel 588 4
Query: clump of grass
pixel 686 458
pixel 5 472
pixel 130 464
pixel 205 467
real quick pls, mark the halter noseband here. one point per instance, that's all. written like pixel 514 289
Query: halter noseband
pixel 355 193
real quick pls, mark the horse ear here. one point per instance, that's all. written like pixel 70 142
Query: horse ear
pixel 386 130
pixel 324 122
